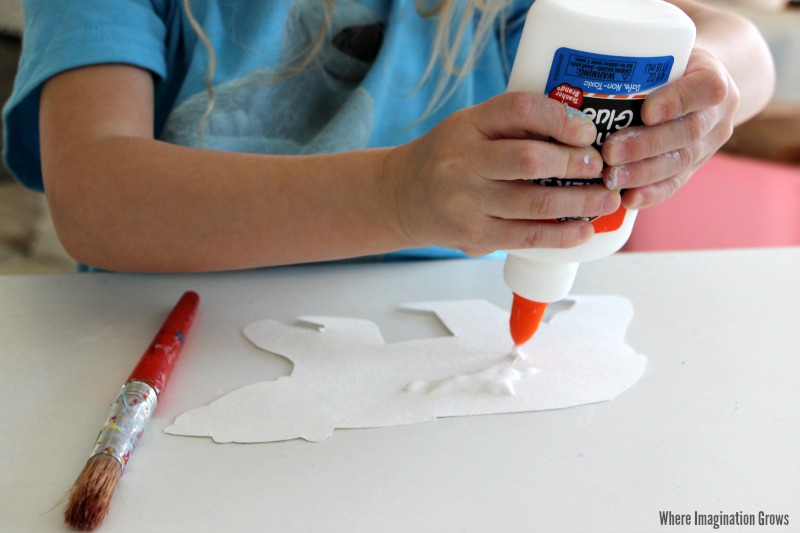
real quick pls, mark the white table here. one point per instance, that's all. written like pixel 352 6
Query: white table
pixel 713 426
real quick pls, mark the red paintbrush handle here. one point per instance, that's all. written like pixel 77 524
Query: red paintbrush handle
pixel 156 364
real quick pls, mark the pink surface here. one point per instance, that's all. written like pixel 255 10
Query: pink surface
pixel 731 202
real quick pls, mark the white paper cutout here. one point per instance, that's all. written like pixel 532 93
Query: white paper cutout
pixel 345 376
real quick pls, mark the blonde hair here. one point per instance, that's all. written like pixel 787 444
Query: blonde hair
pixel 448 44
pixel 446 52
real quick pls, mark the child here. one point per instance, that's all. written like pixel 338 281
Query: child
pixel 357 128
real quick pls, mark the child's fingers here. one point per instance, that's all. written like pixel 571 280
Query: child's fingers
pixel 642 197
pixel 645 172
pixel 525 115
pixel 683 113
pixel 704 85
pixel 517 234
pixel 515 159
pixel 530 201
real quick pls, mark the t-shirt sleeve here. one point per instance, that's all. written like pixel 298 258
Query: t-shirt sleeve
pixel 63 35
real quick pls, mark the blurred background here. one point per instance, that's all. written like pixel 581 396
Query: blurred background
pixel 748 195
pixel 28 243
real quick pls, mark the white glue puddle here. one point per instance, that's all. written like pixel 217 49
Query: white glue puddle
pixel 500 379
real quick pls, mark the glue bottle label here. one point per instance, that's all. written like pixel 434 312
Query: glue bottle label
pixel 610 90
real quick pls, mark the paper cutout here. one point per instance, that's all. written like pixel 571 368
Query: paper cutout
pixel 345 376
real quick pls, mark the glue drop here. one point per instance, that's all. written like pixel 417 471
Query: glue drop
pixel 602 57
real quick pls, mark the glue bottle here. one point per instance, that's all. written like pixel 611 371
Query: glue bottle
pixel 602 57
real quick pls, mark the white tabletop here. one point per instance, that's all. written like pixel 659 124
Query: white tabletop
pixel 712 427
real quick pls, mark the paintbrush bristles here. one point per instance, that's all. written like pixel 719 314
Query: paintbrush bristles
pixel 91 494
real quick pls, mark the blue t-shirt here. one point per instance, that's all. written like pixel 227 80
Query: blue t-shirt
pixel 362 91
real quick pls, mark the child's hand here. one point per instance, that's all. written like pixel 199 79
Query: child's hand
pixel 687 121
pixel 462 184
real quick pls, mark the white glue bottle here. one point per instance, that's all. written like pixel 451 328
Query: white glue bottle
pixel 602 57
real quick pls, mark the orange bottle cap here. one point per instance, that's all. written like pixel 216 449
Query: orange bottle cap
pixel 526 315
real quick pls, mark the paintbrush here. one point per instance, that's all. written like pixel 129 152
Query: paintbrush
pixel 91 494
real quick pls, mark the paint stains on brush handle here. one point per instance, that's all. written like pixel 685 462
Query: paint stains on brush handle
pixel 129 415
pixel 157 363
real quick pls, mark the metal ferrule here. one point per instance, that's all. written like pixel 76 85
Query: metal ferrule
pixel 129 415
